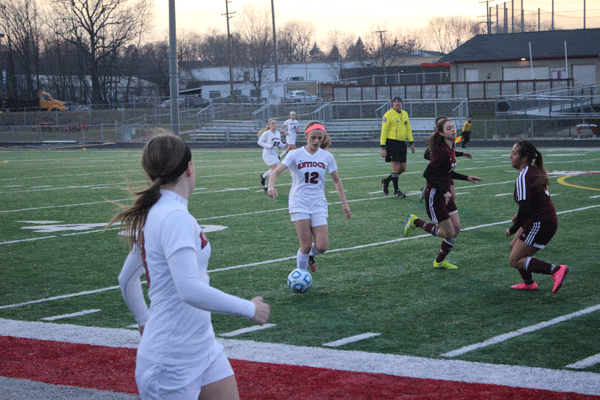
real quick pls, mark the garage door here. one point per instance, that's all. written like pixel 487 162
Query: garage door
pixel 584 74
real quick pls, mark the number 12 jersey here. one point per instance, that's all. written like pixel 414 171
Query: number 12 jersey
pixel 307 194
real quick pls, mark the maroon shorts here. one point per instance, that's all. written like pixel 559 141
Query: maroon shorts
pixel 538 233
pixel 437 209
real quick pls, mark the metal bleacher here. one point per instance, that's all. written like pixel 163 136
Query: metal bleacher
pixel 351 121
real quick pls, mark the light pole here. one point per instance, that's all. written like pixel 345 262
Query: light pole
pixel 3 77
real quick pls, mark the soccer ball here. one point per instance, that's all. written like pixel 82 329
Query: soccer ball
pixel 299 281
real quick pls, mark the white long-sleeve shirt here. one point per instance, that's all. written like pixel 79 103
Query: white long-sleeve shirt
pixel 178 328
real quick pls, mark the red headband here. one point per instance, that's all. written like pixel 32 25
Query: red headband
pixel 313 127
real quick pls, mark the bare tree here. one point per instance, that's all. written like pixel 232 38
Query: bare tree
pixel 447 33
pixel 294 41
pixel 20 21
pixel 254 27
pixel 100 29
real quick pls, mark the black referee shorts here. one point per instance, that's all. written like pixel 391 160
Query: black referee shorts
pixel 395 151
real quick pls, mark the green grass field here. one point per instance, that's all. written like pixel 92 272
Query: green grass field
pixel 55 203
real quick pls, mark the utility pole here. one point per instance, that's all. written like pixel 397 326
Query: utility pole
pixel 227 13
pixel 488 15
pixel 274 40
pixel 522 17
pixel 552 15
pixel 173 72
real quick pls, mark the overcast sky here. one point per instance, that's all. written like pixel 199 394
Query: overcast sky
pixel 357 17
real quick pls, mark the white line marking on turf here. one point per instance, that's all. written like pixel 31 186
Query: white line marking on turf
pixel 519 332
pixel 588 362
pixel 269 261
pixel 65 296
pixel 72 315
pixel 557 380
pixel 351 339
pixel 503 194
pixel 246 330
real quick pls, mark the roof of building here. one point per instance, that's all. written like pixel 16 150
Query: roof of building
pixel 544 45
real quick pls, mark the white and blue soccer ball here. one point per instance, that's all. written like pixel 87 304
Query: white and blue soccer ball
pixel 299 281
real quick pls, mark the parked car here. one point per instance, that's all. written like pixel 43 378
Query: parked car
pixel 72 106
pixel 198 102
pixel 167 103
pixel 300 96
pixel 242 98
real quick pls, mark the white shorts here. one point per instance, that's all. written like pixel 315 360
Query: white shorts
pixel 290 138
pixel 175 382
pixel 315 219
pixel 270 159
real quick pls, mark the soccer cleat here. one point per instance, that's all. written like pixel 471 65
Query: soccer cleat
pixel 399 194
pixel 262 180
pixel 410 224
pixel 524 286
pixel 444 264
pixel 385 187
pixel 312 263
pixel 559 277
pixel 422 195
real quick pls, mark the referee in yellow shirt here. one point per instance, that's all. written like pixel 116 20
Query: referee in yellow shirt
pixel 466 132
pixel 395 130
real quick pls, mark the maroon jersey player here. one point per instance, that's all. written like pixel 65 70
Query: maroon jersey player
pixel 439 196
pixel 535 223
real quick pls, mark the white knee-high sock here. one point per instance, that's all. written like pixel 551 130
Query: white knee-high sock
pixel 266 174
pixel 301 260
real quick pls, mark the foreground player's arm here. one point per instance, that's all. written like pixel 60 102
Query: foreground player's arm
pixel 183 265
pixel 262 141
pixel 522 215
pixel 271 191
pixel 131 287
pixel 337 182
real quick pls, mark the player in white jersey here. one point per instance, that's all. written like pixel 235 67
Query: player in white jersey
pixel 269 139
pixel 307 202
pixel 290 129
pixel 178 357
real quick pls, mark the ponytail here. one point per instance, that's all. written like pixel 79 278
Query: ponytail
pixel 528 150
pixel 435 140
pixel 164 159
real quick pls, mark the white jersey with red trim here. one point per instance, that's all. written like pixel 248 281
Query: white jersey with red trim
pixel 307 194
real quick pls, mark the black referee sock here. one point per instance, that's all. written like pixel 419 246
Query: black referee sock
pixel 394 178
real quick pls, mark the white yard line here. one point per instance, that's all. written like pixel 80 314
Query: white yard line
pixel 351 339
pixel 72 315
pixel 247 330
pixel 362 246
pixel 586 363
pixel 519 332
pixel 564 381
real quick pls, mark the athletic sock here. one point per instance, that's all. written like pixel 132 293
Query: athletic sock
pixel 447 245
pixel 427 226
pixel 283 153
pixel 313 251
pixel 301 260
pixel 395 181
pixel 526 275
pixel 266 174
pixel 387 180
pixel 538 266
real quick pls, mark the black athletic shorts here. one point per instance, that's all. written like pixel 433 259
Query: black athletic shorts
pixel 395 151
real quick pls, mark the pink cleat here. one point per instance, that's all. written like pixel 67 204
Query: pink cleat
pixel 524 286
pixel 559 277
